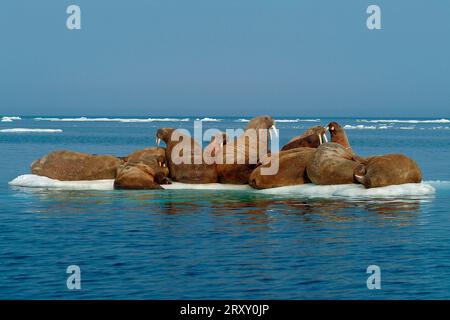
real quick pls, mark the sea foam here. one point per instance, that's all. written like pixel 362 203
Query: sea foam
pixel 283 120
pixel 10 119
pixel 125 120
pixel 350 191
pixel 209 119
pixel 359 127
pixel 405 121
pixel 24 130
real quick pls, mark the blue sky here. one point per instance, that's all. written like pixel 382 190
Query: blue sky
pixel 225 57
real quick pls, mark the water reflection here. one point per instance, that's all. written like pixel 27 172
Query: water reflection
pixel 247 207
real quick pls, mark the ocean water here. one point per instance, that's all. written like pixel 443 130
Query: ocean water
pixel 242 244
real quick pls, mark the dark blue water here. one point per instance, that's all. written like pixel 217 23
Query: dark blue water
pixel 220 244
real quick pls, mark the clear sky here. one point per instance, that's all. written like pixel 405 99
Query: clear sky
pixel 225 57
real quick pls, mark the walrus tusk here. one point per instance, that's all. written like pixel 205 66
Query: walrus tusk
pixel 274 128
pixel 325 137
pixel 158 141
pixel 320 139
pixel 326 128
pixel 359 178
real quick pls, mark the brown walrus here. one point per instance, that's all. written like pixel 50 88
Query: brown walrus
pixel 386 170
pixel 339 136
pixel 313 137
pixel 138 176
pixel 311 141
pixel 143 169
pixel 152 157
pixel 291 171
pixel 331 164
pixel 187 170
pixel 72 166
pixel 243 152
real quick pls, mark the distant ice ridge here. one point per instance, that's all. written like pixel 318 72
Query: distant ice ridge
pixel 349 191
pixel 10 119
pixel 284 120
pixel 86 119
pixel 209 119
pixel 359 126
pixel 385 126
pixel 24 130
pixel 406 121
pixel 297 120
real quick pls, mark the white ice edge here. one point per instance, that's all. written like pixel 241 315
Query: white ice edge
pixel 405 121
pixel 10 119
pixel 24 130
pixel 307 190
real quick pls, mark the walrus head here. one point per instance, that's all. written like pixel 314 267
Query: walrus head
pixel 163 134
pixel 161 161
pixel 261 122
pixel 359 173
pixel 338 134
pixel 317 131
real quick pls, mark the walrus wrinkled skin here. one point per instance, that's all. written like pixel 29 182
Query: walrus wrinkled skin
pixel 386 170
pixel 137 176
pixel 311 141
pixel 186 172
pixel 143 169
pixel 292 170
pixel 241 148
pixel 331 164
pixel 154 157
pixel 313 137
pixel 73 166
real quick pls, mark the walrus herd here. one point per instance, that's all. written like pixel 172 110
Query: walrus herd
pixel 307 158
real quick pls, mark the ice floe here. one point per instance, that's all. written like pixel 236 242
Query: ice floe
pixel 24 130
pixel 349 191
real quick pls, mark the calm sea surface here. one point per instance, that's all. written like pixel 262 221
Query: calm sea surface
pixel 220 244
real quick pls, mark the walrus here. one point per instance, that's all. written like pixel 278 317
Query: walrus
pixel 331 164
pixel 138 176
pixel 339 136
pixel 313 137
pixel 243 152
pixel 73 166
pixel 314 130
pixel 217 141
pixel 187 170
pixel 311 141
pixel 143 169
pixel 386 170
pixel 292 170
pixel 152 157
